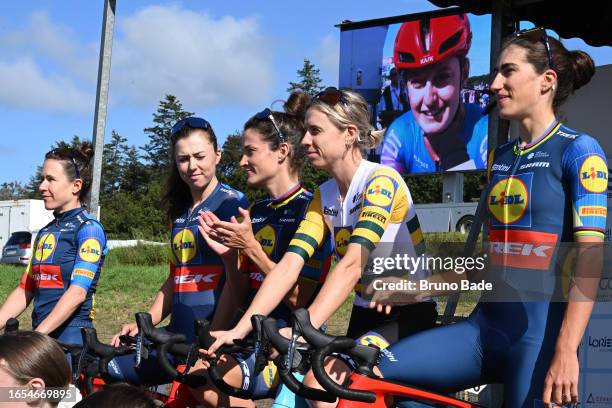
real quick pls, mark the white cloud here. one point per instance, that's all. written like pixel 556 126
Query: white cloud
pixel 203 61
pixel 23 86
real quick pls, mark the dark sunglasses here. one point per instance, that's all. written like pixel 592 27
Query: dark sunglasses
pixel 192 121
pixel 65 153
pixel 331 96
pixel 266 114
pixel 537 34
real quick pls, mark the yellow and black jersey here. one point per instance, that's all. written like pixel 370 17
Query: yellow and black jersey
pixel 376 213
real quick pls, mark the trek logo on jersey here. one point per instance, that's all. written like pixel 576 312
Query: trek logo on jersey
pixel 594 174
pixel 196 278
pixel 522 249
pixel 380 191
pixel 45 247
pixel 90 250
pixel 184 245
pixel 342 236
pixel 593 211
pixel 48 276
pixel 508 200
pixel 267 239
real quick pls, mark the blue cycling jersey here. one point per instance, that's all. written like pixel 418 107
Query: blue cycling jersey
pixel 550 191
pixel 404 146
pixel 68 251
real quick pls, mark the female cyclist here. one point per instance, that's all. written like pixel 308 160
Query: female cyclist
pixel 367 210
pixel 68 252
pixel 440 132
pixel 196 274
pixel 272 157
pixel 547 188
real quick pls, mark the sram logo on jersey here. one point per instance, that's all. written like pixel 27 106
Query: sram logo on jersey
pixel 196 278
pixel 184 245
pixel 90 250
pixel 522 249
pixel 594 174
pixel 509 200
pixel 380 192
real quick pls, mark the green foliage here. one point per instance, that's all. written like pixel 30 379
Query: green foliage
pixel 425 189
pixel 12 190
pixel 156 152
pixel 473 184
pixel 312 178
pixel 141 254
pixel 310 79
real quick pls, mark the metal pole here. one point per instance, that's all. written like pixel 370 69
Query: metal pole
pixel 106 47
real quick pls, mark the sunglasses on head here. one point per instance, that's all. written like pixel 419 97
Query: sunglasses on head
pixel 331 96
pixel 538 34
pixel 266 114
pixel 65 153
pixel 192 121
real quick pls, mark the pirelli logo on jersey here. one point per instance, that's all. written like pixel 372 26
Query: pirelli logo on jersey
pixel 594 174
pixel 593 211
pixel 508 200
pixel 522 249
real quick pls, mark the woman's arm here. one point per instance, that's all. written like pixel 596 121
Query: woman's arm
pixel 233 293
pixel 561 380
pixel 15 304
pixel 338 284
pixel 67 304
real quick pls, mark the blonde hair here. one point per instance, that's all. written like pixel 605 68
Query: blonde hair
pixel 352 109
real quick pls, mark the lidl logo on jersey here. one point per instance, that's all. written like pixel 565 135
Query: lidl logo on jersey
pixel 90 250
pixel 342 235
pixel 508 200
pixel 270 375
pixel 374 339
pixel 380 192
pixel 45 247
pixel 594 174
pixel 184 245
pixel 267 239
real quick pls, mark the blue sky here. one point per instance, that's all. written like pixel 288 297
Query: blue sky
pixel 224 60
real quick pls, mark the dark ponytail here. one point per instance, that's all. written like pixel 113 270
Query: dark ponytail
pixel 77 164
pixel 290 123
pixel 574 68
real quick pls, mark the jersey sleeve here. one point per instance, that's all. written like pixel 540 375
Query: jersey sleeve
pixel 311 232
pixel 392 154
pixel 91 249
pixel 586 172
pixel 27 280
pixel 385 201
pixel 229 208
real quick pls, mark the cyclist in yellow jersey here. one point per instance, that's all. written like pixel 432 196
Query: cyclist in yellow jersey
pixel 368 210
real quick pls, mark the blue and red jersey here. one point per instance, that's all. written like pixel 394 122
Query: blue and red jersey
pixel 196 269
pixel 70 250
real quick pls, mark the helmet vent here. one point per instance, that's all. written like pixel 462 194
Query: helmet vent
pixel 425 37
pixel 406 57
pixel 450 43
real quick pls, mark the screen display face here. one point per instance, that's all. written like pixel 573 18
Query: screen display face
pixel 426 81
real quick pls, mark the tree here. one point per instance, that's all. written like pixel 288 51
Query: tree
pixel 156 152
pixel 310 80
pixel 113 162
pixel 134 174
pixel 12 190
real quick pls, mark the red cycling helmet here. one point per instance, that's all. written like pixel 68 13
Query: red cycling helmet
pixel 424 42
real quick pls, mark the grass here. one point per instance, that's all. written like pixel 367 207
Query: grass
pixel 132 276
